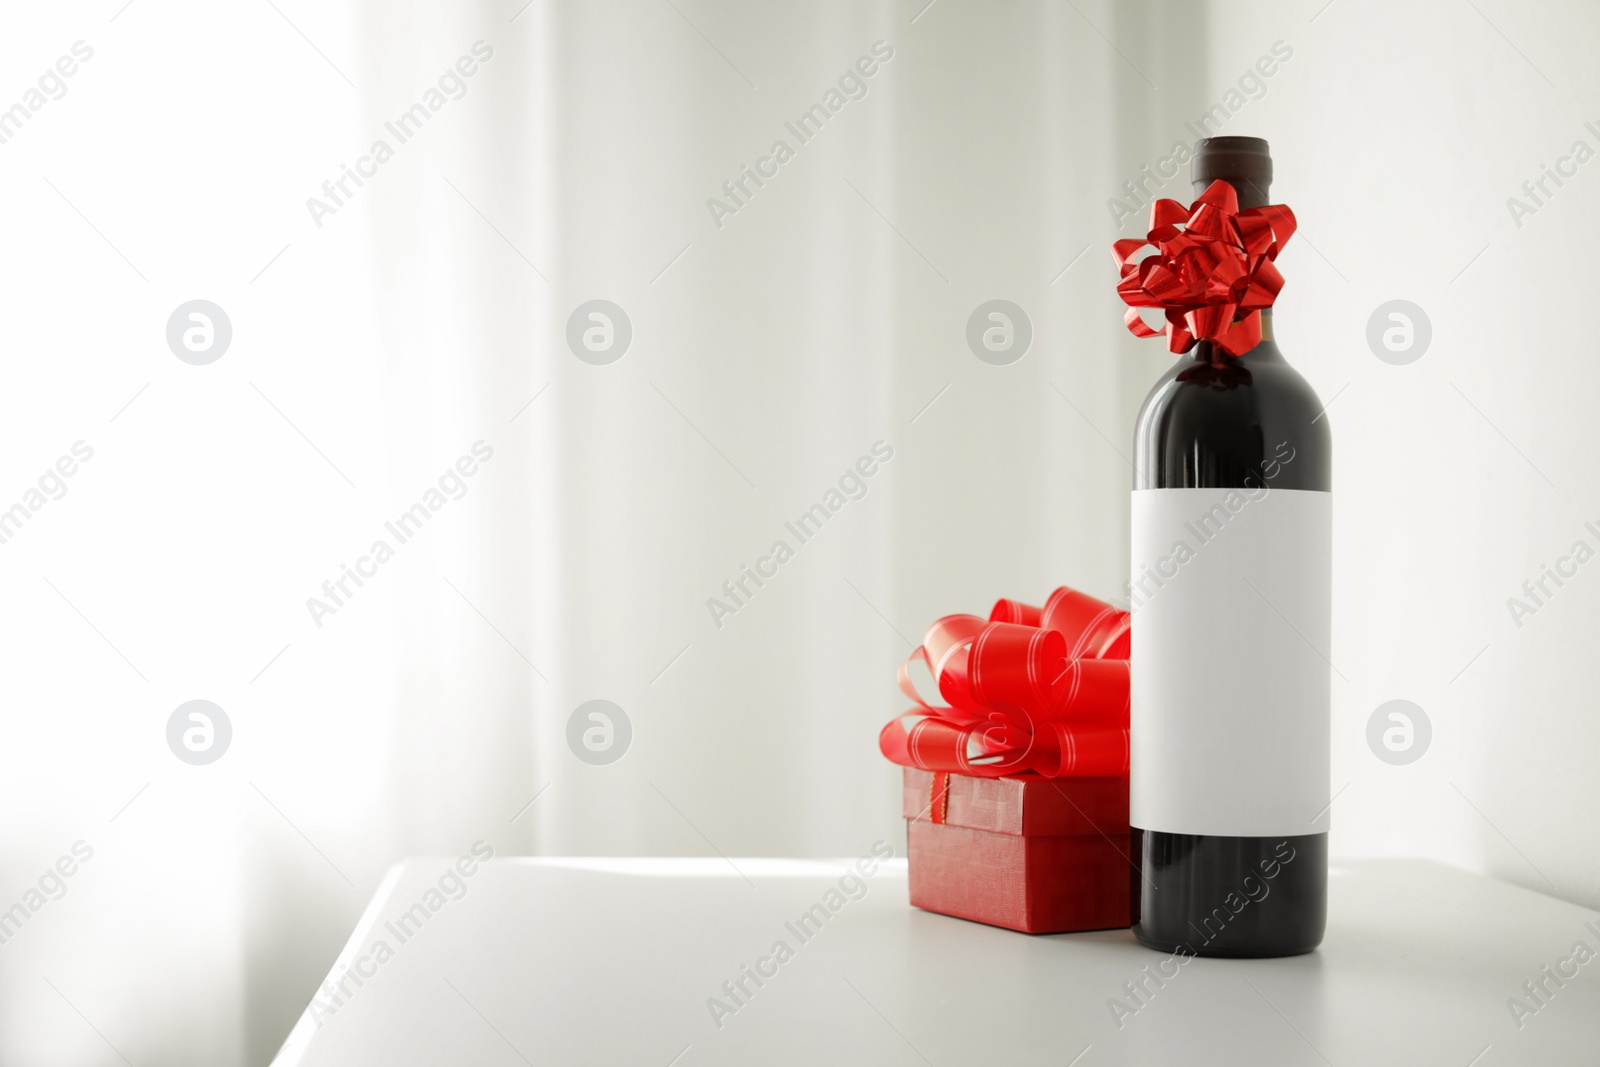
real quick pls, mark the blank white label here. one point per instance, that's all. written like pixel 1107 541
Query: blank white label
pixel 1232 604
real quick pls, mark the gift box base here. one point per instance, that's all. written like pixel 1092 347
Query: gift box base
pixel 1033 884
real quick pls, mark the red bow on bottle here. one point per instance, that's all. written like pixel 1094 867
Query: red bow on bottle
pixel 1212 271
pixel 1030 689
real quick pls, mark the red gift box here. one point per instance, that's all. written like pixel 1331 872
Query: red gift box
pixel 1039 855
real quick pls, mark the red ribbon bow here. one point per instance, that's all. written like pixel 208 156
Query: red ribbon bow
pixel 1212 271
pixel 1030 689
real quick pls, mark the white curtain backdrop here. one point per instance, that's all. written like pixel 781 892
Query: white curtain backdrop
pixel 414 327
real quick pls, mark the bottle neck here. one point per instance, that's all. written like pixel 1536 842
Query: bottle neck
pixel 1242 163
pixel 1264 352
pixel 1251 192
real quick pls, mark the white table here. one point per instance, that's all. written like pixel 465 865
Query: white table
pixel 549 961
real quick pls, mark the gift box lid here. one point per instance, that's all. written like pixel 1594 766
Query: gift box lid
pixel 1027 805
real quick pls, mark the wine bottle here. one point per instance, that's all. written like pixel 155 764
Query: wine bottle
pixel 1231 593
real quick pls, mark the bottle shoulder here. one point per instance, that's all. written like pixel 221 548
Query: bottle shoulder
pixel 1213 423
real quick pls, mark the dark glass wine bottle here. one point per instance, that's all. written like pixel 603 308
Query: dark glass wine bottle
pixel 1230 638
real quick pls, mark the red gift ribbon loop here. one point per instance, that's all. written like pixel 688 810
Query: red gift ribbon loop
pixel 1041 690
pixel 1212 271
